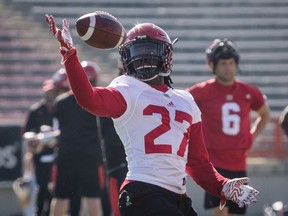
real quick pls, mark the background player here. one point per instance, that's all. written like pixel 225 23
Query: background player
pixel 79 160
pixel 160 127
pixel 38 160
pixel 226 103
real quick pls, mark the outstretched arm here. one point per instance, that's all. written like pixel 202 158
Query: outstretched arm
pixel 107 102
pixel 204 174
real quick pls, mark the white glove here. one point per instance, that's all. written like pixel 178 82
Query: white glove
pixel 236 191
pixel 47 136
pixel 30 141
pixel 63 36
pixel 23 188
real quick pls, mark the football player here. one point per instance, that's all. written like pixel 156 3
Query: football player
pixel 38 158
pixel 160 127
pixel 226 103
pixel 79 160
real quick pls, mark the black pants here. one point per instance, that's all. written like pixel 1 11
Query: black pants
pixel 142 199
pixel 43 201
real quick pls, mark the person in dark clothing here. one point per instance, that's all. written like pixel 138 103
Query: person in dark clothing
pixel 61 83
pixel 40 159
pixel 79 159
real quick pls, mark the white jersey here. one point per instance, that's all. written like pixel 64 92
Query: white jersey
pixel 155 132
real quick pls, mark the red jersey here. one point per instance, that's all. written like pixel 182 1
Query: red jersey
pixel 226 120
pixel 119 101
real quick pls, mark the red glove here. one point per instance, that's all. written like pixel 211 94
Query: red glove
pixel 236 191
pixel 63 36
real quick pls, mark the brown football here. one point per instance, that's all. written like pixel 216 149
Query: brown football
pixel 101 30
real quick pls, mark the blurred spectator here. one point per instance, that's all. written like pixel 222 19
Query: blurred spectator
pixel 61 84
pixel 38 159
pixel 79 160
pixel 60 81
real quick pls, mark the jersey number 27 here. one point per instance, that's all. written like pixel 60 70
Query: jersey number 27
pixel 180 116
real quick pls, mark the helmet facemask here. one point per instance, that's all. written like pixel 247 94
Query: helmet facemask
pixel 145 58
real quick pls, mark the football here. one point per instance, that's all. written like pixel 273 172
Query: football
pixel 101 30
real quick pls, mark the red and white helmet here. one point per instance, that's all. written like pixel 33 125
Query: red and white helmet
pixel 147 52
pixel 60 79
pixel 92 70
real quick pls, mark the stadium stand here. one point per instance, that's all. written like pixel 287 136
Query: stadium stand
pixel 24 63
pixel 28 54
pixel 258 27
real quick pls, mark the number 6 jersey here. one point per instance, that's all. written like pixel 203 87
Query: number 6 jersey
pixel 226 120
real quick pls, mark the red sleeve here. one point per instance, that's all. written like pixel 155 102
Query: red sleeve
pixel 106 102
pixel 53 173
pixel 199 166
pixel 258 99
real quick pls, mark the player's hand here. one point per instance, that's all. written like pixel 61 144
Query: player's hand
pixel 47 136
pixel 236 191
pixel 23 189
pixel 63 36
pixel 31 141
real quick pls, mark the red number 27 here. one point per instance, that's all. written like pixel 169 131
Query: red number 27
pixel 180 116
